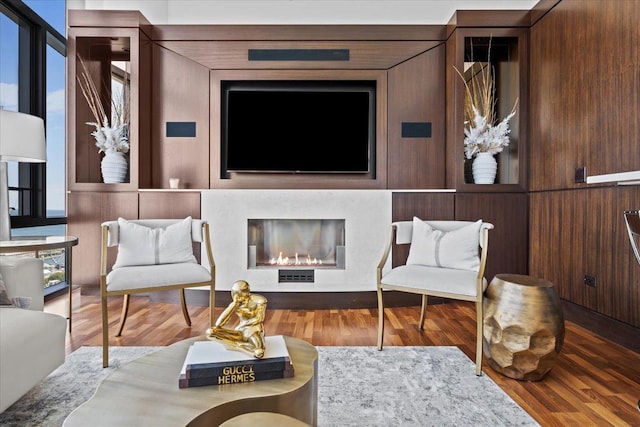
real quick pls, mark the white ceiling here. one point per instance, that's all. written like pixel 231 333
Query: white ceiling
pixel 418 12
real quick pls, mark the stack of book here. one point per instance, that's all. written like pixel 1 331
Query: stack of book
pixel 211 363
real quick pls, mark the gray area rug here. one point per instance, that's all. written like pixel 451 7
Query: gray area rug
pixel 357 386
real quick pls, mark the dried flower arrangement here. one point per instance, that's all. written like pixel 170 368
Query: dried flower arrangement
pixel 482 134
pixel 110 135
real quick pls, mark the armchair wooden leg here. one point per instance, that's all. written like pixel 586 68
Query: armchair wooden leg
pixel 479 337
pixel 380 318
pixel 212 306
pixel 105 333
pixel 423 311
pixel 185 313
pixel 123 315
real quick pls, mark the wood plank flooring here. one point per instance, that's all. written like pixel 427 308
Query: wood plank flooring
pixel 595 382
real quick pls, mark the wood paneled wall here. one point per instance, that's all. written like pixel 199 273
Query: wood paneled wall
pixel 582 232
pixel 585 91
pixel 169 205
pixel 87 210
pixel 180 94
pixel 584 111
pixel 508 241
pixel 417 94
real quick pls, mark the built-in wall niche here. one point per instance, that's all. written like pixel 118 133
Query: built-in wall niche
pixel 497 57
pixel 104 64
pixel 110 58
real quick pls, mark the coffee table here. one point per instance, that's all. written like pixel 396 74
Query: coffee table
pixel 145 392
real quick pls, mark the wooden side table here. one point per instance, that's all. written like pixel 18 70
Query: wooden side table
pixel 523 326
pixel 36 244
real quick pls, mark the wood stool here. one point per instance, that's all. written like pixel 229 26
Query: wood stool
pixel 523 326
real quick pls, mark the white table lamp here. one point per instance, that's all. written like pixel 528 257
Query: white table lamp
pixel 21 140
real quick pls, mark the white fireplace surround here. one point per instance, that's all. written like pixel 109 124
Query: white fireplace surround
pixel 367 215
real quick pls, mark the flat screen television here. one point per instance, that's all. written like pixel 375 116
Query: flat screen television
pixel 298 127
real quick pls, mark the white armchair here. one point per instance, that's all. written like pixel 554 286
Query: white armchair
pixel 446 259
pixel 32 342
pixel 153 255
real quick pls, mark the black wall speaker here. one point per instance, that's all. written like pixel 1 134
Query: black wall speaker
pixel 298 54
pixel 416 129
pixel 181 130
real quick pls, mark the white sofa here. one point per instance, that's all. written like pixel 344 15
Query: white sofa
pixel 32 343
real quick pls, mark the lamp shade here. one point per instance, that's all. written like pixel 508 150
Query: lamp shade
pixel 22 138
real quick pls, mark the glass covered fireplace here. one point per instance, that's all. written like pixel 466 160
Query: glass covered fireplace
pixel 296 243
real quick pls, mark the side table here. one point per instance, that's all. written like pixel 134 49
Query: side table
pixel 36 244
pixel 523 326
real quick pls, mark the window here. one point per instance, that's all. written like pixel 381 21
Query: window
pixel 32 80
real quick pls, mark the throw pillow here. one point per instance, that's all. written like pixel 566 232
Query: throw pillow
pixel 141 245
pixel 449 249
pixel 4 297
pixel 20 302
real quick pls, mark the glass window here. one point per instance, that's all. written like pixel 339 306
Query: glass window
pixel 52 11
pixel 55 128
pixel 34 83
pixel 9 65
pixel 9 74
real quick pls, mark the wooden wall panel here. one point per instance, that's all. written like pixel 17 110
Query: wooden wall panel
pixel 180 94
pixel 169 205
pixel 582 232
pixel 298 32
pixel 614 254
pixel 416 94
pixel 454 108
pixel 86 211
pixel 142 166
pixel 585 113
pixel 434 206
pixel 564 247
pixel 508 241
pixel 547 234
pixel 585 91
pixel 229 55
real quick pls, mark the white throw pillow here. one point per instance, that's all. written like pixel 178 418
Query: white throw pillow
pixel 20 302
pixel 4 296
pixel 140 245
pixel 449 249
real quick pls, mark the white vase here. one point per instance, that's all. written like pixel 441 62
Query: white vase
pixel 114 167
pixel 485 167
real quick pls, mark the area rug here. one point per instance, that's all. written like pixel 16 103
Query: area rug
pixel 357 386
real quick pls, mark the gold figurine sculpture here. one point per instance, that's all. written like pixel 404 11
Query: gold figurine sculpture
pixel 248 336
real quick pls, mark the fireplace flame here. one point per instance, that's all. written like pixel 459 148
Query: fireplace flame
pixel 285 260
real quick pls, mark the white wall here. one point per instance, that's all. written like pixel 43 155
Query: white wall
pixel 367 215
pixel 419 12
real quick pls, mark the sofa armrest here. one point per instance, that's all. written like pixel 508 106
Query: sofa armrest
pixel 23 277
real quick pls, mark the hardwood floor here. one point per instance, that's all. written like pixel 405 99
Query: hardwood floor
pixel 595 382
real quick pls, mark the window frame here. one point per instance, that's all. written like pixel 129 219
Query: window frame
pixel 34 35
